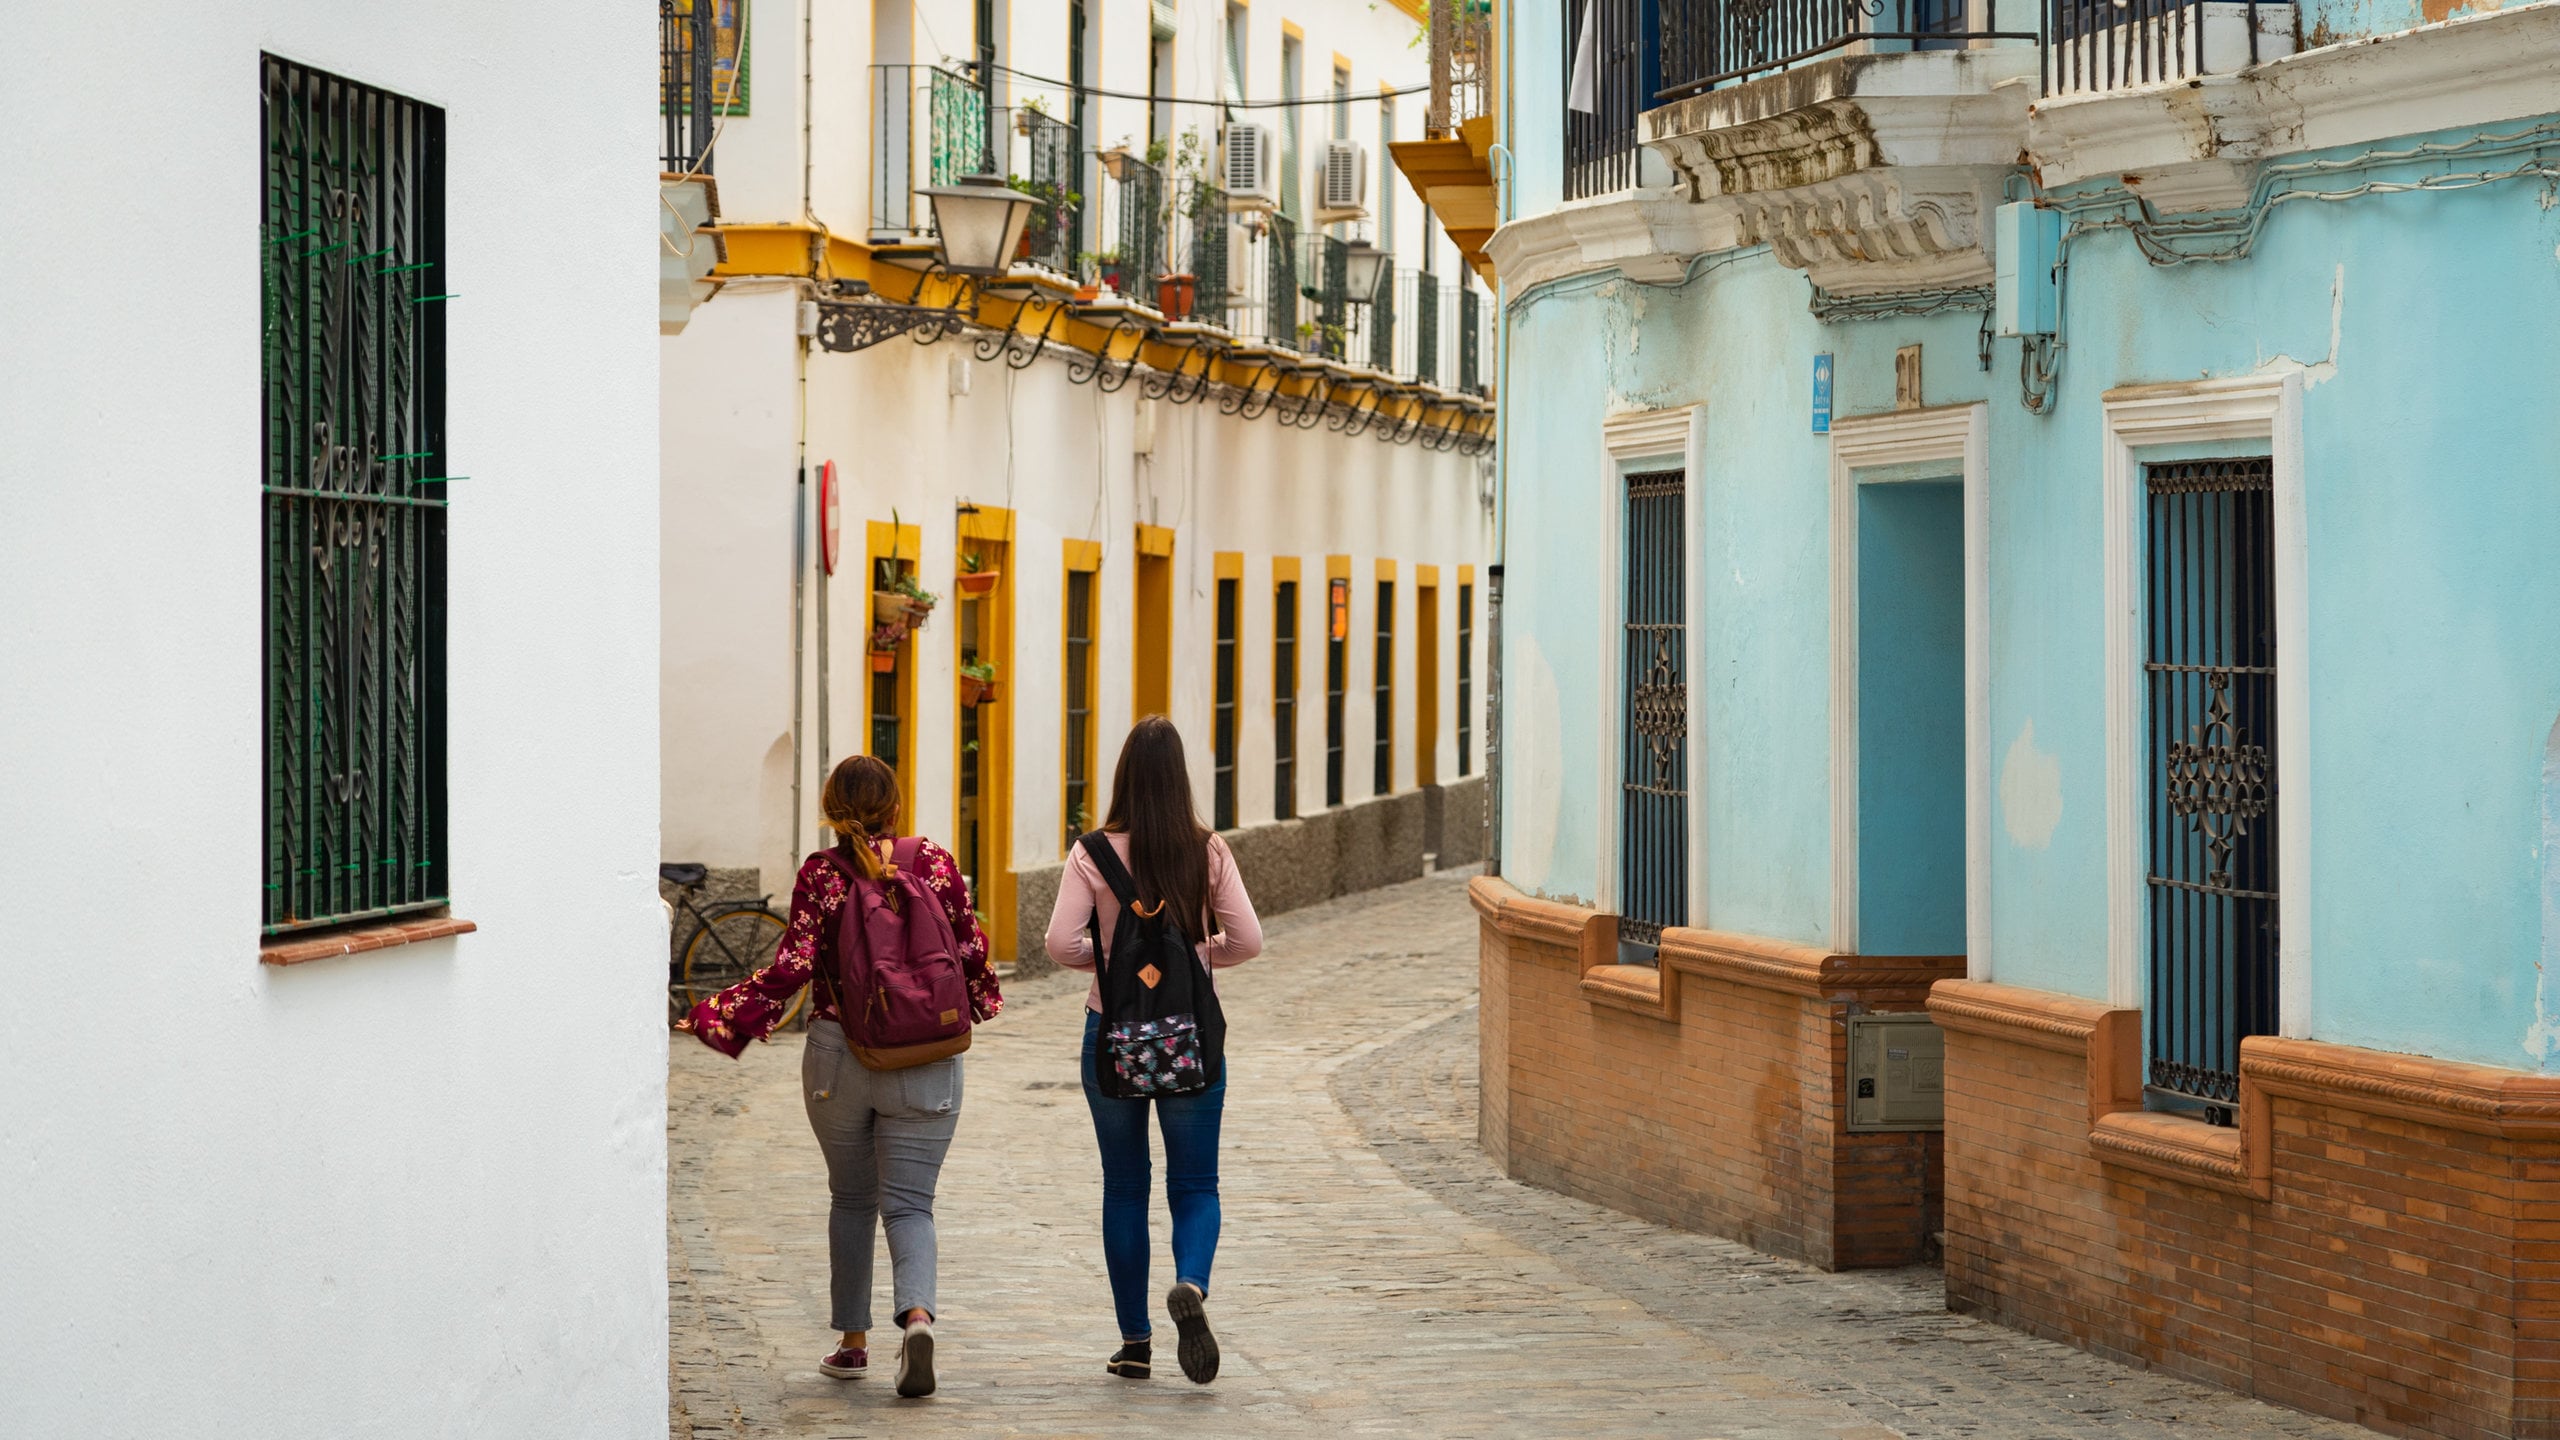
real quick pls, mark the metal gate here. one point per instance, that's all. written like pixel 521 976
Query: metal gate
pixel 1653 838
pixel 2209 664
pixel 353 399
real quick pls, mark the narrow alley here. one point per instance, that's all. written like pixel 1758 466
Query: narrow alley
pixel 1377 1276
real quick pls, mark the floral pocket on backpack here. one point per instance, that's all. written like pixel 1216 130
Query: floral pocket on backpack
pixel 1156 1057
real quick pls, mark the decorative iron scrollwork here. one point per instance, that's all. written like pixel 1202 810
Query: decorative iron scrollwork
pixel 1659 710
pixel 2217 780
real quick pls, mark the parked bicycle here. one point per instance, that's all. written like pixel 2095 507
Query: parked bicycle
pixel 730 940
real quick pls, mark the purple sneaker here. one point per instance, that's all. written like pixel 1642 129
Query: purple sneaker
pixel 845 1362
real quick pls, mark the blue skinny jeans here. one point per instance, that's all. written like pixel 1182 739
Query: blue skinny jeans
pixel 1190 1126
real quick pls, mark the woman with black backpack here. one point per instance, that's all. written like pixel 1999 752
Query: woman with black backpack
pixel 1152 903
pixel 884 922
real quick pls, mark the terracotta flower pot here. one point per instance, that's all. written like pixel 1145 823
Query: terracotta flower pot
pixel 884 660
pixel 974 692
pixel 978 582
pixel 1174 294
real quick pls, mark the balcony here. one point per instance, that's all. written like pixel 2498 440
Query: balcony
pixel 1704 44
pixel 689 215
pixel 929 127
pixel 1452 169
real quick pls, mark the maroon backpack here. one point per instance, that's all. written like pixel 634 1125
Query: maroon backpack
pixel 899 992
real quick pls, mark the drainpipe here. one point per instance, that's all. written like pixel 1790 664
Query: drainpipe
pixel 1505 198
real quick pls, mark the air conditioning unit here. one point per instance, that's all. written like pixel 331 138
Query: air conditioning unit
pixel 1346 176
pixel 1253 169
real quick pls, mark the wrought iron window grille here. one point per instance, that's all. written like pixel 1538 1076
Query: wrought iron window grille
pixel 2210 680
pixel 1653 834
pixel 353 398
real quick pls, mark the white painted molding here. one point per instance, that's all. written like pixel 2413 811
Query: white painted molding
pixel 1648 434
pixel 1646 235
pixel 2264 408
pixel 1873 449
pixel 1637 441
pixel 2190 145
pixel 1693 614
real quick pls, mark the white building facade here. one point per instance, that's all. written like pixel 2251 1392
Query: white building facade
pixel 329 554
pixel 1180 444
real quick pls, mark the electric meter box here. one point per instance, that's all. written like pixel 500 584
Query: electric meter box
pixel 2026 294
pixel 1897 1073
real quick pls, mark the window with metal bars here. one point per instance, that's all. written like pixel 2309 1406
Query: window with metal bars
pixel 1466 679
pixel 1284 699
pixel 1223 727
pixel 887 724
pixel 1616 86
pixel 353 386
pixel 1337 680
pixel 1383 675
pixel 1079 704
pixel 2209 665
pixel 1653 834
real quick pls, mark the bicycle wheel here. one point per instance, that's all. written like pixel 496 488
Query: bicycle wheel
pixel 728 947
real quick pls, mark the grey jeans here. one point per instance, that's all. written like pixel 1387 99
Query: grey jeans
pixel 884 1133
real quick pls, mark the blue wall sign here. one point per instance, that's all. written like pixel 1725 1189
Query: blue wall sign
pixel 1821 394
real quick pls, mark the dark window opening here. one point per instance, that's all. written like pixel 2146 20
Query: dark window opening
pixel 1653 835
pixel 2209 668
pixel 1224 724
pixel 1384 774
pixel 1337 679
pixel 1079 796
pixel 1284 699
pixel 1466 679
pixel 353 392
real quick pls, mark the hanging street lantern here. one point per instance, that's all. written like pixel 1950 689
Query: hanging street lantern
pixel 1362 263
pixel 981 221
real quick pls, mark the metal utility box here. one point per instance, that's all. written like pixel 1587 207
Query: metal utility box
pixel 2026 244
pixel 1897 1073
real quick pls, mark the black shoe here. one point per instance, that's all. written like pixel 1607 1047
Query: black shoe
pixel 1132 1361
pixel 1198 1349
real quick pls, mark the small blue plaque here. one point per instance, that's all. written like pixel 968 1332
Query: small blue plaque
pixel 1821 394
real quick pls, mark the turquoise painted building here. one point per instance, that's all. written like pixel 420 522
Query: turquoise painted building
pixel 2075 489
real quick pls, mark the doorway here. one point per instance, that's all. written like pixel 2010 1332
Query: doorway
pixel 982 829
pixel 1911 717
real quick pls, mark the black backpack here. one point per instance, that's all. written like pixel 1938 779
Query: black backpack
pixel 1162 1030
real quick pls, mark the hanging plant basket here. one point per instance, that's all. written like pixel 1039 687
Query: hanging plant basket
pixel 978 582
pixel 974 693
pixel 884 660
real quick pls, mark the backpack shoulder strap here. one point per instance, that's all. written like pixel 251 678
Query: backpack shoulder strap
pixel 1124 886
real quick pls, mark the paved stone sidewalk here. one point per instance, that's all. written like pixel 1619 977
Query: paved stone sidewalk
pixel 1377 1277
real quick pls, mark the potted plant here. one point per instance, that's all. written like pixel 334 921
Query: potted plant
pixel 977 682
pixel 884 646
pixel 913 600
pixel 1040 233
pixel 1115 161
pixel 976 576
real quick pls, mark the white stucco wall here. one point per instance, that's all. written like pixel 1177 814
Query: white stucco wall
pixel 412 1192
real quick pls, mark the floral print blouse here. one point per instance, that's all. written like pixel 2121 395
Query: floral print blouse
pixel 747 1010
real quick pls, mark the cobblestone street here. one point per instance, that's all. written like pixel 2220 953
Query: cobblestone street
pixel 1376 1276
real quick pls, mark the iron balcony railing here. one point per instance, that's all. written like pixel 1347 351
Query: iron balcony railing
pixel 931 129
pixel 1200 239
pixel 685 113
pixel 1464 63
pixel 2095 45
pixel 1046 161
pixel 1608 83
pixel 1128 220
pixel 1706 43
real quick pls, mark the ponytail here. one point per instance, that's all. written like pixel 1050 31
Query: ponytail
pixel 860 803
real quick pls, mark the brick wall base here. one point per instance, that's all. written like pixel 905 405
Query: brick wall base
pixel 1706 1091
pixel 2377 1239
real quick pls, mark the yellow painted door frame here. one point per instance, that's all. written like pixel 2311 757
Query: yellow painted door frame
pixel 1426 674
pixel 1078 753
pixel 987 617
pixel 1151 633
pixel 897 548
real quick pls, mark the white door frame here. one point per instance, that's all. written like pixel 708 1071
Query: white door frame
pixel 1644 440
pixel 1876 449
pixel 2267 409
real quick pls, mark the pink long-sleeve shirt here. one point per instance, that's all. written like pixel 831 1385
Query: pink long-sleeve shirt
pixel 1083 893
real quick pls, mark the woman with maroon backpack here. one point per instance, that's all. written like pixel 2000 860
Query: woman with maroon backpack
pixel 881 928
pixel 1152 902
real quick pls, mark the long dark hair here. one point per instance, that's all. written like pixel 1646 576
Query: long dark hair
pixel 1168 846
pixel 861 804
